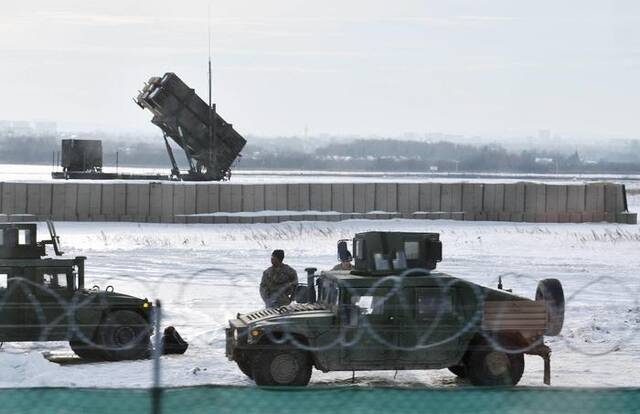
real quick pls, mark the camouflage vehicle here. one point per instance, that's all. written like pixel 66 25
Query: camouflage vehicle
pixel 45 299
pixel 393 311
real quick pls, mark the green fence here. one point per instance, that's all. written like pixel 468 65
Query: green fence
pixel 352 400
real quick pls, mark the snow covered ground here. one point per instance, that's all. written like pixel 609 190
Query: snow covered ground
pixel 42 173
pixel 204 274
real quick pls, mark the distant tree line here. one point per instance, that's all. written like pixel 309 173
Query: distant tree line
pixel 415 156
pixel 358 155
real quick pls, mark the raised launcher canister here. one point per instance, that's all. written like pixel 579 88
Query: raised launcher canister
pixel 211 145
pixel 385 253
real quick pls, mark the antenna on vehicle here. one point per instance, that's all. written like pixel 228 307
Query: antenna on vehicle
pixel 499 282
pixel 212 108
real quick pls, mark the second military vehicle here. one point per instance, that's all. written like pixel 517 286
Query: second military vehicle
pixel 45 299
pixel 393 311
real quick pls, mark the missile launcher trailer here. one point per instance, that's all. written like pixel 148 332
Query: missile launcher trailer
pixel 81 155
pixel 210 144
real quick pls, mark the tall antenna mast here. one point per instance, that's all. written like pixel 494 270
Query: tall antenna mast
pixel 212 109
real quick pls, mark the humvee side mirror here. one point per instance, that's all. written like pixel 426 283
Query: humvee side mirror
pixel 311 286
pixel 301 295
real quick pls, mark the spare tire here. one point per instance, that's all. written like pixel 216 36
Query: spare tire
pixel 550 290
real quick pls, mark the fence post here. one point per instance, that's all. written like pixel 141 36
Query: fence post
pixel 156 391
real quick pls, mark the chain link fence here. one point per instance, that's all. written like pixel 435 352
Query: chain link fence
pixel 595 350
pixel 250 400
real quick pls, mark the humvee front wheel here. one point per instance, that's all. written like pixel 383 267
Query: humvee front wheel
pixel 495 368
pixel 459 371
pixel 244 363
pixel 290 367
pixel 86 351
pixel 124 335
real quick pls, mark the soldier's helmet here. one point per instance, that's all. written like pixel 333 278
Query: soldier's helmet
pixel 343 252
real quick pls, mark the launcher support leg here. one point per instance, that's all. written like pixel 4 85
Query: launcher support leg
pixel 192 168
pixel 547 368
pixel 175 171
pixel 544 352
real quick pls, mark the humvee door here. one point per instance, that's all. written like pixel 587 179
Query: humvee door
pixel 371 333
pixel 50 297
pixel 11 306
pixel 431 328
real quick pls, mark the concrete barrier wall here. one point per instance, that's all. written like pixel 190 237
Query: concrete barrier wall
pixel 190 202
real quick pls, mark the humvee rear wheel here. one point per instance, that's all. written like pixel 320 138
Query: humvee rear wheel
pixel 550 290
pixel 495 368
pixel 86 351
pixel 124 335
pixel 281 367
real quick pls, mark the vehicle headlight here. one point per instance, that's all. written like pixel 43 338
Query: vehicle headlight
pixel 254 335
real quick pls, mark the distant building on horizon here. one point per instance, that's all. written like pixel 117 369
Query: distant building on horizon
pixel 541 160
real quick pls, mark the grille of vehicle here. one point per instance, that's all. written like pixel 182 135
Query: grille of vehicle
pixel 282 310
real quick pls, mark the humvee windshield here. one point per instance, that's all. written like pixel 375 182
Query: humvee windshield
pixel 49 278
pixel 24 237
pixel 6 275
pixel 3 281
pixel 368 305
pixel 53 279
pixel 329 292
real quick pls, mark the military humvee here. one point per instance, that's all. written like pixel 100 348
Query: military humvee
pixel 45 299
pixel 393 311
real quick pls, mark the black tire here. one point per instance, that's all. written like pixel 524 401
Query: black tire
pixel 281 367
pixel 550 290
pixel 459 371
pixel 86 351
pixel 495 368
pixel 124 335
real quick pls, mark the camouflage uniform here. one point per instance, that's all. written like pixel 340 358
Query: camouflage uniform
pixel 339 267
pixel 277 285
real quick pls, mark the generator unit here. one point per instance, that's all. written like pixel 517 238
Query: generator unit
pixel 81 155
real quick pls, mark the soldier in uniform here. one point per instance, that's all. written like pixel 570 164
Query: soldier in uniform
pixel 345 263
pixel 279 282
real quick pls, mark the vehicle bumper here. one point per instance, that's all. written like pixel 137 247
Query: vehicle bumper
pixel 233 335
pixel 230 344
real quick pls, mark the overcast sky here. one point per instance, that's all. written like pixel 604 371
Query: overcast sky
pixel 488 67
